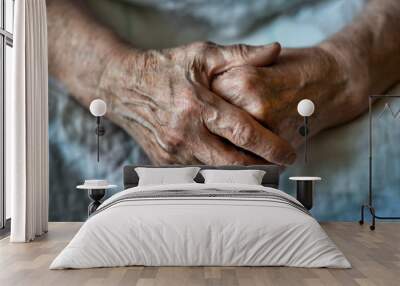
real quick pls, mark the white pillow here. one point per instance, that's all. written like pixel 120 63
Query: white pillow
pixel 163 176
pixel 248 177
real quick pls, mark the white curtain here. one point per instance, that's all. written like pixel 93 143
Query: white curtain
pixel 27 122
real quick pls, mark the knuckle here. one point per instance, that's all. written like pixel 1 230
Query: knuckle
pixel 275 154
pixel 280 152
pixel 166 158
pixel 187 110
pixel 202 46
pixel 246 86
pixel 173 141
pixel 240 50
pixel 244 135
pixel 248 83
pixel 237 161
pixel 260 110
pixel 189 106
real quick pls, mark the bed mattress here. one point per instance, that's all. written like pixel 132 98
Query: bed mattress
pixel 201 225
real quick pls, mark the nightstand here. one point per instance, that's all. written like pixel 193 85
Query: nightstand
pixel 95 193
pixel 304 191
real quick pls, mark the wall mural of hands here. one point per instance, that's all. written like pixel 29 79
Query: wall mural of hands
pixel 204 103
pixel 171 110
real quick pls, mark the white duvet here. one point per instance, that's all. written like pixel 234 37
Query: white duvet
pixel 200 231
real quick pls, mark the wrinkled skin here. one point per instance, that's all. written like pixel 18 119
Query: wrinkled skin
pixel 170 106
pixel 204 103
pixel 271 94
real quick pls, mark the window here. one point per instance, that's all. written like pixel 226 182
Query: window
pixel 6 65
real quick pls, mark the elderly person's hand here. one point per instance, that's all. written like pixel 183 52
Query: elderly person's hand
pixel 271 94
pixel 163 100
pixel 338 75
pixel 223 105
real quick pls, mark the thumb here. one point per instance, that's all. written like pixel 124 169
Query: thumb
pixel 239 55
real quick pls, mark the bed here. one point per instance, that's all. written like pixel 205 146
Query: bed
pixel 198 224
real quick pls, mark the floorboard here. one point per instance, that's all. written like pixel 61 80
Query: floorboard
pixel 375 257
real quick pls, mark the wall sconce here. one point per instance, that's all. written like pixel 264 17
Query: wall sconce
pixel 98 108
pixel 305 108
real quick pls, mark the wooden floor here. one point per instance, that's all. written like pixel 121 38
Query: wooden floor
pixel 375 257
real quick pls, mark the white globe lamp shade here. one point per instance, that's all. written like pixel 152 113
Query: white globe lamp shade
pixel 98 107
pixel 305 108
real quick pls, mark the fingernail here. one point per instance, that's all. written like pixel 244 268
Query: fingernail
pixel 275 45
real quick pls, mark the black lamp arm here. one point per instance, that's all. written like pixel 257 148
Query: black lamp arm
pixel 304 131
pixel 100 131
